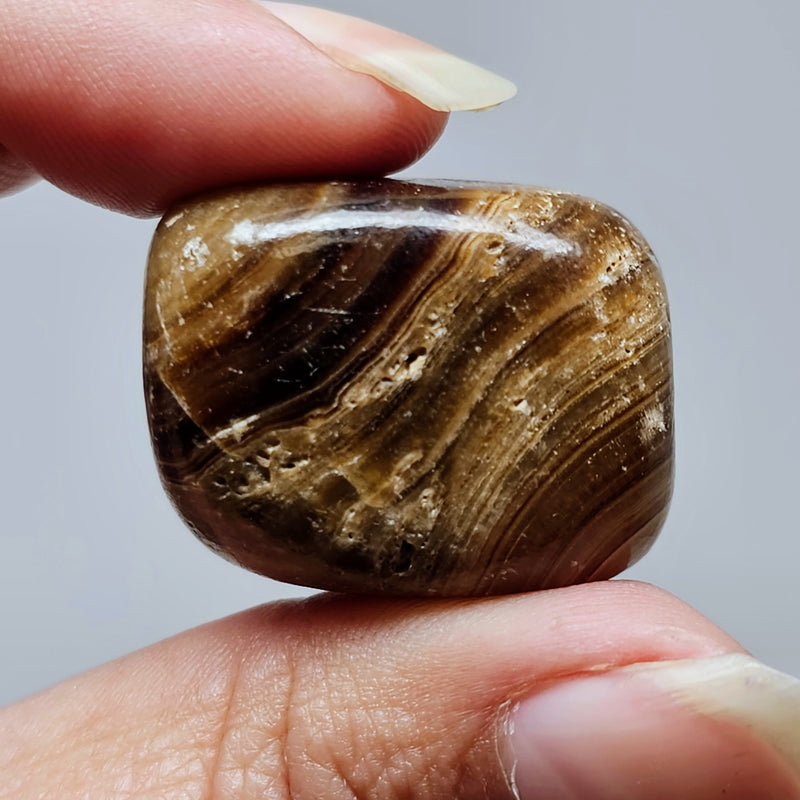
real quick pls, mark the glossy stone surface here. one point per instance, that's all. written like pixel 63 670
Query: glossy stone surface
pixel 420 389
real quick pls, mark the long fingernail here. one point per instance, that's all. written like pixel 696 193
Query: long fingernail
pixel 439 80
pixel 718 727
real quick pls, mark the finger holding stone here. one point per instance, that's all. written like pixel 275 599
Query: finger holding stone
pixel 551 695
pixel 132 105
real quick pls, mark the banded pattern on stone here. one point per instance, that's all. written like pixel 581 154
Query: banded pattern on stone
pixel 423 389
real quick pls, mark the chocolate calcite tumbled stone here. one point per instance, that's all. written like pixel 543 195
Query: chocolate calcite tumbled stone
pixel 411 388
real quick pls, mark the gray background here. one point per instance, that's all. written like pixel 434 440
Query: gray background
pixel 683 115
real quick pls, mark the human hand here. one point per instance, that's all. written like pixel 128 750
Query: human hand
pixel 338 696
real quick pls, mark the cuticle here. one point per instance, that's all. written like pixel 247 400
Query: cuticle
pixel 504 749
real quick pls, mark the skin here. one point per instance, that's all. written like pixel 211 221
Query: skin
pixel 334 696
pixel 240 96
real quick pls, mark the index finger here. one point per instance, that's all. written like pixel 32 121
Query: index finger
pixel 133 104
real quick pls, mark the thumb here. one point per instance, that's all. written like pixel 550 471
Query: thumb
pixel 341 698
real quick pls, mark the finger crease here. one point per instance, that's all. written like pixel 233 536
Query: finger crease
pixel 286 728
pixel 224 725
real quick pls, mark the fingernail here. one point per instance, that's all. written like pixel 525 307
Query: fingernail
pixel 718 727
pixel 439 80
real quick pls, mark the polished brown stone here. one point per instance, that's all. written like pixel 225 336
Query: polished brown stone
pixel 420 389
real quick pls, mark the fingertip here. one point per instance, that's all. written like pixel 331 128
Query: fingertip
pixel 237 96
